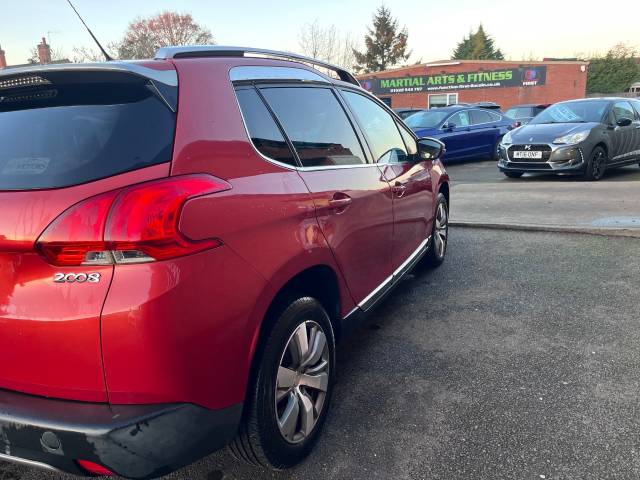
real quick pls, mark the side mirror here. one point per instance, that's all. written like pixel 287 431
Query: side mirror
pixel 430 149
pixel 624 122
pixel 449 126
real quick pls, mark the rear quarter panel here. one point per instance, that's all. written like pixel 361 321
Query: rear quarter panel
pixel 189 334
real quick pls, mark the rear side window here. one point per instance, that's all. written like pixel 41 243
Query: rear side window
pixel 69 128
pixel 481 116
pixel 264 133
pixel 316 124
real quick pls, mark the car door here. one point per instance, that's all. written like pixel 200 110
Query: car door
pixel 458 137
pixel 486 131
pixel 624 138
pixel 352 200
pixel 394 149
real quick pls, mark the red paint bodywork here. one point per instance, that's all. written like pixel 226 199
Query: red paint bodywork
pixel 185 329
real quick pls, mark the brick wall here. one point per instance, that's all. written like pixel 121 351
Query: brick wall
pixel 564 81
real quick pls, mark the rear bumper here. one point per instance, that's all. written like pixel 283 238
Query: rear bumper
pixel 134 441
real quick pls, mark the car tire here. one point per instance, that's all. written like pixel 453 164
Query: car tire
pixel 496 150
pixel 284 415
pixel 596 165
pixel 440 234
pixel 513 174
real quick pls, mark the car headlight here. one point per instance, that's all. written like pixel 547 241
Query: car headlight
pixel 507 140
pixel 572 138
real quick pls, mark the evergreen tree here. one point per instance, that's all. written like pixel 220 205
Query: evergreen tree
pixel 477 46
pixel 386 44
pixel 613 73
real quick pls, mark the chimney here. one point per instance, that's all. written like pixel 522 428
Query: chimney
pixel 44 52
pixel 3 59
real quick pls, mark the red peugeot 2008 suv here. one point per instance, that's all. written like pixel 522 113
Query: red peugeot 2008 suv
pixel 183 241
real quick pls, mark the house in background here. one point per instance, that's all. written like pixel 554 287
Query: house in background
pixel 44 57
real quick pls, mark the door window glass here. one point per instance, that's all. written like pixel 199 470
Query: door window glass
pixel 623 110
pixel 316 124
pixel 480 116
pixel 409 140
pixel 460 119
pixel 264 132
pixel 379 127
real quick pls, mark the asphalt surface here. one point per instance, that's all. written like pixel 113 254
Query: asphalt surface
pixel 516 359
pixel 486 171
pixel 481 195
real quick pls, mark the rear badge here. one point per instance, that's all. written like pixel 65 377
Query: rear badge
pixel 76 277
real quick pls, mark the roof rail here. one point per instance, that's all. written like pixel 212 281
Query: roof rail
pixel 195 51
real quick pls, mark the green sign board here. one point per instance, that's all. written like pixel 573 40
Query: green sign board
pixel 512 77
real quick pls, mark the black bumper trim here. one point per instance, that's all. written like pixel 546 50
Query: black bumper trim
pixel 134 441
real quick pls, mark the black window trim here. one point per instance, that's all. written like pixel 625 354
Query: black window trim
pixel 258 85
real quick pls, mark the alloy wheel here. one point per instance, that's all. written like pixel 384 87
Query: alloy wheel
pixel 441 230
pixel 302 381
pixel 597 165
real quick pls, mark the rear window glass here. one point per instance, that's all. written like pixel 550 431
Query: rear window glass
pixel 75 127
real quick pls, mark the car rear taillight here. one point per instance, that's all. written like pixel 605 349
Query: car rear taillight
pixel 94 468
pixel 132 225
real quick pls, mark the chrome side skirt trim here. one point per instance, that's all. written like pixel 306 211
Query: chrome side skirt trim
pixel 389 282
pixel 28 463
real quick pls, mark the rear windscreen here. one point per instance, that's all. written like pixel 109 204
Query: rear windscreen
pixel 66 128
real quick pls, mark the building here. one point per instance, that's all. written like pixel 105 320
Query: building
pixel 466 81
pixel 44 56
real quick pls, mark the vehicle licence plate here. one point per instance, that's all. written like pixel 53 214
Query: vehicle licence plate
pixel 527 154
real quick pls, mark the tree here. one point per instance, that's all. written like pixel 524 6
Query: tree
pixel 477 46
pixel 614 72
pixel 87 54
pixel 145 35
pixel 328 44
pixel 386 44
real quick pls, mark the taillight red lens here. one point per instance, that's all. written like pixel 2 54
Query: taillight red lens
pixel 94 468
pixel 132 225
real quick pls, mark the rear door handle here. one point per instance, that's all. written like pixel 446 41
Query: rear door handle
pixel 399 189
pixel 340 202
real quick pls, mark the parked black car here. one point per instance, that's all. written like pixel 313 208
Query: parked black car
pixel 406 112
pixel 523 114
pixel 583 137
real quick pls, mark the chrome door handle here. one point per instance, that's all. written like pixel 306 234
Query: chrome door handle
pixel 340 202
pixel 399 189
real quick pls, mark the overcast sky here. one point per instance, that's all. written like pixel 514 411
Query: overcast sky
pixel 522 29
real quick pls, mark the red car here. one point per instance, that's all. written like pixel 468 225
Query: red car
pixel 183 241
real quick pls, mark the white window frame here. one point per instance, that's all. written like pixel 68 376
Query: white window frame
pixel 449 97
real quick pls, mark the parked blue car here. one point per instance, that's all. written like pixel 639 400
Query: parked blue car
pixel 468 131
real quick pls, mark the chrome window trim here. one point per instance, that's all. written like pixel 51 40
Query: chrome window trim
pixel 29 463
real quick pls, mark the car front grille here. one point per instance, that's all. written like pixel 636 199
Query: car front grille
pixel 545 149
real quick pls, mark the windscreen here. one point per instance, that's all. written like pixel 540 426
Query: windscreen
pixel 66 128
pixel 431 119
pixel 573 112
